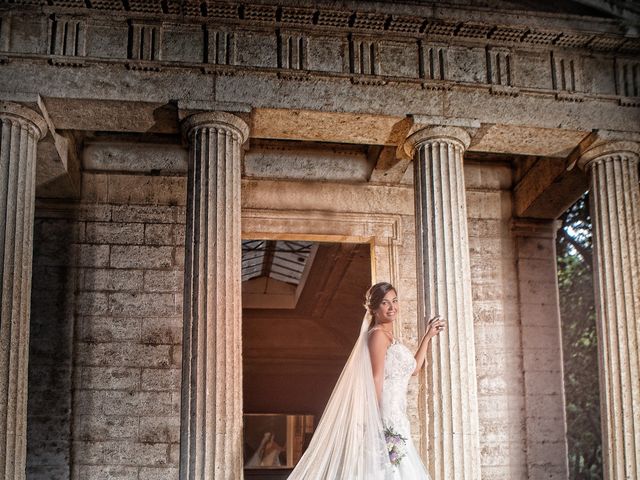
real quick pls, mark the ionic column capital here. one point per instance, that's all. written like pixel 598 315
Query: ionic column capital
pixel 610 144
pixel 222 120
pixel 22 114
pixel 437 133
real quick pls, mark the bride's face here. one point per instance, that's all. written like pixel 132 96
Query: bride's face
pixel 388 309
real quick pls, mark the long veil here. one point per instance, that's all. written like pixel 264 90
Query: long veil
pixel 349 442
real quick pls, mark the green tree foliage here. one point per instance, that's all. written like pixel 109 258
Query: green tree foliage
pixel 580 350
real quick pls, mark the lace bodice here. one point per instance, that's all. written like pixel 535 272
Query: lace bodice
pixel 399 364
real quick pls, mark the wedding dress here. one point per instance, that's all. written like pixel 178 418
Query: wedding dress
pixel 349 442
pixel 399 364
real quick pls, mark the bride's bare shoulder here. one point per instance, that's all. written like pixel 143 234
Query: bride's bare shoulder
pixel 378 338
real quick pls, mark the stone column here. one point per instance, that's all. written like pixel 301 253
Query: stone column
pixel 21 128
pixel 615 209
pixel 444 288
pixel 211 423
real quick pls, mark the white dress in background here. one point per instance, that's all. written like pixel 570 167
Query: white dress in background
pixel 399 364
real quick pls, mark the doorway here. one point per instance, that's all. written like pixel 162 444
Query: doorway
pixel 302 311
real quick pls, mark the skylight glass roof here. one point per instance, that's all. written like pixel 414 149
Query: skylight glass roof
pixel 282 260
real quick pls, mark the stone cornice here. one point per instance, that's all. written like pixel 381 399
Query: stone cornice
pixel 435 21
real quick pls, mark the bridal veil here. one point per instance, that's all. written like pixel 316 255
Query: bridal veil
pixel 349 443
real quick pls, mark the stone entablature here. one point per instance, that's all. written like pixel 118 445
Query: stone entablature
pixel 437 49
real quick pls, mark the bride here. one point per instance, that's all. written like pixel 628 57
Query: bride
pixel 364 433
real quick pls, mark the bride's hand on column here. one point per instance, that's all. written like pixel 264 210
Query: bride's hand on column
pixel 436 325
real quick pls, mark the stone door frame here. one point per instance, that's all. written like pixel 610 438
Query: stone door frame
pixel 381 231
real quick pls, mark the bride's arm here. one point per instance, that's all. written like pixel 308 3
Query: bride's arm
pixel 378 344
pixel 435 326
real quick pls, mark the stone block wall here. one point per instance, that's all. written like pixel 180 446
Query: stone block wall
pixel 126 258
pixel 497 323
pixel 542 350
pixel 107 319
pixel 51 349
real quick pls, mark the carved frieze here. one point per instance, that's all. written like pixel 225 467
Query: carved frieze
pixel 144 41
pixel 220 46
pixel 363 56
pixel 501 71
pixel 565 72
pixel 67 40
pixel 499 66
pixel 145 46
pixel 540 37
pixel 292 51
pixel 297 16
pixel 404 24
pixel 508 33
pixel 432 61
pixel 299 42
pixel 628 81
pixel 67 36
pixel 5 26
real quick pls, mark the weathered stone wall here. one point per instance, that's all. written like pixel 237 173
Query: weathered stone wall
pixel 496 321
pixel 542 363
pixel 51 348
pixel 126 253
pixel 112 273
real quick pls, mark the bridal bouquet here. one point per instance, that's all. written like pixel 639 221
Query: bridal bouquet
pixel 395 445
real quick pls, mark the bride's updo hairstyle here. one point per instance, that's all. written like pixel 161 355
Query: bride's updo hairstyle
pixel 375 295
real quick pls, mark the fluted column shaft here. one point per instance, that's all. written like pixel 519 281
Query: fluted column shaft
pixel 444 288
pixel 211 423
pixel 20 130
pixel 615 210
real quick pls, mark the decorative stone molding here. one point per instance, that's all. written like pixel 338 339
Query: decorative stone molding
pixel 217 24
pixel 145 41
pixel 383 231
pixel 364 56
pixel 627 77
pixel 292 50
pixel 211 421
pixel 566 72
pixel 219 46
pixel 612 164
pixel 432 61
pixel 20 130
pixel 444 287
pixel 67 36
pixel 500 68
pixel 359 20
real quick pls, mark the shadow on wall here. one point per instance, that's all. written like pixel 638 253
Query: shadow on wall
pixel 50 350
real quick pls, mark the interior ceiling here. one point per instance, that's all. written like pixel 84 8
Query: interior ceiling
pixel 283 260
pixel 293 357
pixel 326 319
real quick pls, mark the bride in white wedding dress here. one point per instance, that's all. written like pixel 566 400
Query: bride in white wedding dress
pixel 364 432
